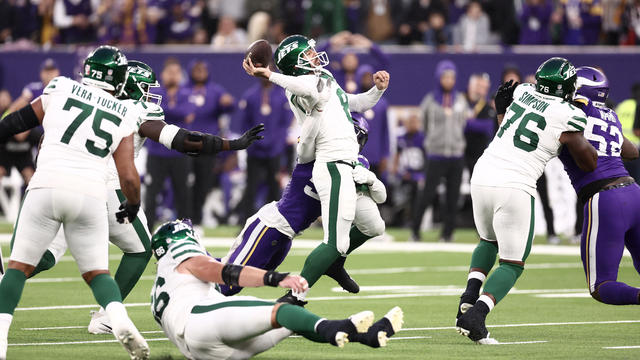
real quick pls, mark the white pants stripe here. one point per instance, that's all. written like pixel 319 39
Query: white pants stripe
pixel 594 221
pixel 255 234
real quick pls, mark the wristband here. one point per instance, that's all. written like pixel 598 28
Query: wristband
pixel 273 278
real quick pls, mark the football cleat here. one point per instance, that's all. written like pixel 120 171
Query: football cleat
pixel 134 343
pixel 100 323
pixel 466 302
pixel 289 298
pixel 471 324
pixel 337 272
pixel 362 320
pixel 379 333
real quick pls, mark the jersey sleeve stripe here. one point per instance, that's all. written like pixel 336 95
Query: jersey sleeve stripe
pixel 188 251
pixel 580 119
pixel 157 114
pixel 578 127
pixel 173 248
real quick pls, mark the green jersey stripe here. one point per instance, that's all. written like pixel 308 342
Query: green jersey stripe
pixel 200 309
pixel 141 230
pixel 580 119
pixel 174 248
pixel 187 252
pixel 580 128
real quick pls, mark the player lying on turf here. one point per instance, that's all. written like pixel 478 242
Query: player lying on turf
pixel 68 187
pixel 610 197
pixel 538 122
pixel 204 324
pixel 134 238
pixel 266 238
pixel 322 108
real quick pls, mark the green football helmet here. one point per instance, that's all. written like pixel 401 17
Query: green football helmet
pixel 556 77
pixel 105 68
pixel 180 230
pixel 290 57
pixel 140 80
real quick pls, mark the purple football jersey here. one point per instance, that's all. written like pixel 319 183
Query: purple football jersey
pixel 35 88
pixel 604 132
pixel 300 204
pixel 412 155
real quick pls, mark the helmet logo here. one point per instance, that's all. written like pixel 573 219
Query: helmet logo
pixel 287 49
pixel 160 251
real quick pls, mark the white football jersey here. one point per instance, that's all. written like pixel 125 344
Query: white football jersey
pixel 83 126
pixel 174 294
pixel 528 137
pixel 335 138
pixel 147 112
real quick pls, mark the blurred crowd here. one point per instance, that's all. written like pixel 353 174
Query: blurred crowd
pixel 463 24
pixel 423 153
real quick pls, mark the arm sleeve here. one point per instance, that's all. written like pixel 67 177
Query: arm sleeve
pixel 364 101
pixel 297 85
pixel 378 192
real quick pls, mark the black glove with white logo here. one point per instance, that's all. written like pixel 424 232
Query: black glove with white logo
pixel 127 213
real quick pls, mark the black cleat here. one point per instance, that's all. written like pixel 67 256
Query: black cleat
pixel 288 298
pixel 337 272
pixel 379 333
pixel 466 302
pixel 472 325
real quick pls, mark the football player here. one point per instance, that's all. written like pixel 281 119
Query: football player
pixel 538 121
pixel 323 110
pixel 266 238
pixel 609 196
pixel 134 239
pixel 68 187
pixel 205 324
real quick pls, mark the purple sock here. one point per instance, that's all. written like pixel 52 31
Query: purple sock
pixel 617 293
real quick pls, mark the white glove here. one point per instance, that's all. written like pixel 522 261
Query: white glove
pixel 363 176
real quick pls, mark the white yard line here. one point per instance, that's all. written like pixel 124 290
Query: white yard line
pixel 383 247
pixel 522 342
pixel 533 324
pixel 80 342
pixel 54 328
pixel 410 337
pixel 622 347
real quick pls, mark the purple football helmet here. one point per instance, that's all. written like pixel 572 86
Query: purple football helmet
pixel 361 127
pixel 592 84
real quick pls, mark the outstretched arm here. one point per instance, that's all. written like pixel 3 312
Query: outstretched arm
pixel 209 270
pixel 194 142
pixel 365 101
pixel 581 151
pixel 19 121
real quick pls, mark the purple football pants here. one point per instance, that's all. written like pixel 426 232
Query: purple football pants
pixel 611 223
pixel 262 247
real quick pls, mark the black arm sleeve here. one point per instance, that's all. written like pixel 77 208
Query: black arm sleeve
pixel 211 144
pixel 17 122
pixel 231 274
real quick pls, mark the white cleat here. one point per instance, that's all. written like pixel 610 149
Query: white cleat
pixel 487 341
pixel 134 343
pixel 342 338
pixel 362 320
pixel 396 318
pixel 100 323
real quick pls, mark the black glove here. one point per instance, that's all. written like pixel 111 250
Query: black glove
pixel 127 213
pixel 504 96
pixel 247 138
pixel 273 278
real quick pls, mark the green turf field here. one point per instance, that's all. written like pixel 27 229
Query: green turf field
pixel 425 284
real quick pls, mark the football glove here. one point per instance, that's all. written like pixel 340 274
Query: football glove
pixel 504 96
pixel 127 213
pixel 363 176
pixel 247 138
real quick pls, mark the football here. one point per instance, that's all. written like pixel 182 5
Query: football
pixel 260 53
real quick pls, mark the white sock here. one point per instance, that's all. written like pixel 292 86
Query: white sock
pixel 118 315
pixel 5 323
pixel 477 275
pixel 300 295
pixel 487 300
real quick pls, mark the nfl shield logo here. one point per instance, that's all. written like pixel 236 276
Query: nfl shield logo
pixel 86 69
pixel 109 72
